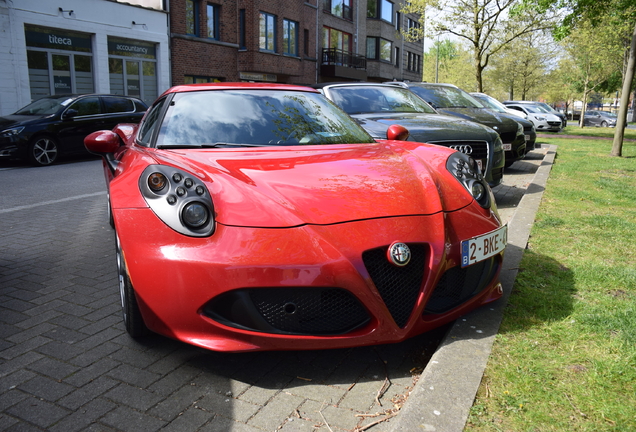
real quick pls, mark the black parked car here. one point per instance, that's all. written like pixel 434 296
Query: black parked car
pixel 377 106
pixel 56 125
pixel 494 105
pixel 450 99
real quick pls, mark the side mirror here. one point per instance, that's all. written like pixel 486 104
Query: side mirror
pixel 104 143
pixel 397 132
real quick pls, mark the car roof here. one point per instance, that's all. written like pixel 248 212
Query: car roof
pixel 522 102
pixel 421 84
pixel 236 86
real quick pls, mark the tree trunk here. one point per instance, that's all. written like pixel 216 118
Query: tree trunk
pixel 621 122
pixel 582 118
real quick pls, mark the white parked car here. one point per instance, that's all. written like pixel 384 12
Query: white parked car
pixel 539 116
pixel 483 97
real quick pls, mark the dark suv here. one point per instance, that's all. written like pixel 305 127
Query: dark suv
pixel 377 106
pixel 56 125
pixel 450 99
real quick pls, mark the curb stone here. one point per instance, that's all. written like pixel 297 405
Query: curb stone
pixel 445 392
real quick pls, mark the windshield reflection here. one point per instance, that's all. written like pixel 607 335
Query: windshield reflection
pixel 368 99
pixel 256 117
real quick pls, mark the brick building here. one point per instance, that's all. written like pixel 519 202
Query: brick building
pixel 291 41
pixel 142 47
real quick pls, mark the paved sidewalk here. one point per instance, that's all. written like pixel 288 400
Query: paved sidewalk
pixel 66 363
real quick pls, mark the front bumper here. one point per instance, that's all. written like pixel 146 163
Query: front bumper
pixel 208 291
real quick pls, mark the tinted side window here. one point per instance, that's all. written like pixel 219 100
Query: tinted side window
pixel 86 106
pixel 150 123
pixel 117 105
pixel 140 106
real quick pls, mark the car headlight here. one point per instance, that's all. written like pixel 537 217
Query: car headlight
pixel 8 133
pixel 179 199
pixel 466 171
pixel 519 129
pixel 540 118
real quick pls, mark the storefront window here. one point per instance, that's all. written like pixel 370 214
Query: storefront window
pixel 133 68
pixel 59 61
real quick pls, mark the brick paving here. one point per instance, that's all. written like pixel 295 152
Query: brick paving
pixel 66 363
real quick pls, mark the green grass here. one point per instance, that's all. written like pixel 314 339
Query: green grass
pixel 565 356
pixel 591 131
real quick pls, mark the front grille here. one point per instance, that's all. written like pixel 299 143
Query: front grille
pixel 398 286
pixel 554 123
pixel 301 310
pixel 479 149
pixel 508 137
pixel 460 284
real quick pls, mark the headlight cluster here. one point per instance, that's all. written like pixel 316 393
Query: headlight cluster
pixel 465 170
pixel 8 133
pixel 179 199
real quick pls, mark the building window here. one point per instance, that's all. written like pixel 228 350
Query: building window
pixel 242 29
pixel 132 68
pixel 192 17
pixel 290 37
pixel 267 35
pixel 333 38
pixel 382 9
pixel 198 79
pixel 412 24
pixel 213 12
pixel 379 49
pixel 414 62
pixel 339 8
pixel 397 57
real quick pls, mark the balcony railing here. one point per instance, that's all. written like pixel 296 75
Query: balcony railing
pixel 336 57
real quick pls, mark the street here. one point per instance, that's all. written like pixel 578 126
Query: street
pixel 67 364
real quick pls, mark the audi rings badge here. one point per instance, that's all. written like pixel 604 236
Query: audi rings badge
pixel 466 149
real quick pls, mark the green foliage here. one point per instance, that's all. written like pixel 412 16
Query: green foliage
pixel 452 64
pixel 486 26
pixel 565 356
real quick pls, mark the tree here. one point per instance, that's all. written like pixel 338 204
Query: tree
pixel 597 58
pixel 522 65
pixel 448 62
pixel 618 12
pixel 486 25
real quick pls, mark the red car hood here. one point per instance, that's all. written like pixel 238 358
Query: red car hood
pixel 282 187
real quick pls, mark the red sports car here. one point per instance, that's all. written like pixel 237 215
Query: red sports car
pixel 262 217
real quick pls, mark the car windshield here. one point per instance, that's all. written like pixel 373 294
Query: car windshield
pixel 378 99
pixel 255 117
pixel 446 97
pixel 534 109
pixel 491 103
pixel 45 106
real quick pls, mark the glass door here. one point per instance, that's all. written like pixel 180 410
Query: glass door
pixel 133 80
pixel 62 82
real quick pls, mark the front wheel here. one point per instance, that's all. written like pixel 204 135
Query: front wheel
pixel 603 123
pixel 133 321
pixel 43 151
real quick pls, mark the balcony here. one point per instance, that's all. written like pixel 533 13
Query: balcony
pixel 343 64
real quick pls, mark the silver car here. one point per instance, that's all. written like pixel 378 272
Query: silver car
pixel 599 118
pixel 539 116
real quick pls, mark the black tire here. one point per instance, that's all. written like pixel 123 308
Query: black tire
pixel 43 151
pixel 133 321
pixel 604 123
